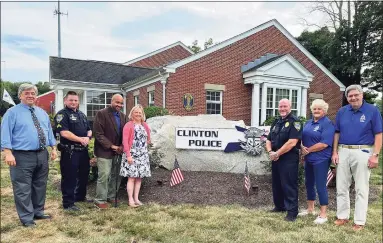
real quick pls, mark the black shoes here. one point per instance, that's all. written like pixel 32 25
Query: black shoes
pixel 277 210
pixel 85 200
pixel 72 208
pixel 290 218
pixel 44 216
pixel 31 224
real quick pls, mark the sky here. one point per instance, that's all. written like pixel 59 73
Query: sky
pixel 121 31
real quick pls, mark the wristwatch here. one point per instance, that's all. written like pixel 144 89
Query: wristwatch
pixel 90 137
pixel 375 154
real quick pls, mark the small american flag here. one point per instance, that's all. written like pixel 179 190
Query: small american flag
pixel 177 176
pixel 246 180
pixel 330 175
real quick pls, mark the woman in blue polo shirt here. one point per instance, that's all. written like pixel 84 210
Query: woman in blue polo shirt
pixel 317 140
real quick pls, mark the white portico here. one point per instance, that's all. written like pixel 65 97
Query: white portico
pixel 273 78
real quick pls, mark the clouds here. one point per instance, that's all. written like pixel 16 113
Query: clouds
pixel 120 31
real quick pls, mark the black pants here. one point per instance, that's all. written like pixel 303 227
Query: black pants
pixel 29 180
pixel 285 185
pixel 74 176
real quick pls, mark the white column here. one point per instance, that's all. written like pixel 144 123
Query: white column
pixel 255 106
pixel 163 82
pixel 85 108
pixel 59 100
pixel 124 95
pixel 264 100
pixel 304 102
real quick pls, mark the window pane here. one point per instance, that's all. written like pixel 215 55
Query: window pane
pixel 269 103
pixel 269 112
pixel 295 112
pixel 281 94
pixel 294 99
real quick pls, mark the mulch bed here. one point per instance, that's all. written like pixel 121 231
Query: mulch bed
pixel 216 188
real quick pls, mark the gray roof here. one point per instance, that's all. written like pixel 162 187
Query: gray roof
pixel 94 71
pixel 262 61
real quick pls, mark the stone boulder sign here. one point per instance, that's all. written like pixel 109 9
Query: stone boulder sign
pixel 199 143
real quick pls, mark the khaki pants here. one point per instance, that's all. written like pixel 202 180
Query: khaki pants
pixel 353 163
pixel 106 182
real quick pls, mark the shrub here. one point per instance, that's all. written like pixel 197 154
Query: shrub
pixel 267 164
pixel 153 111
pixel 271 119
pixel 0 119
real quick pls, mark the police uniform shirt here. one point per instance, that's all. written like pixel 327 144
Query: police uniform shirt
pixel 284 129
pixel 321 131
pixel 73 121
pixel 358 127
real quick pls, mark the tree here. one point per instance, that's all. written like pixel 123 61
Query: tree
pixel 13 88
pixel 196 48
pixel 354 49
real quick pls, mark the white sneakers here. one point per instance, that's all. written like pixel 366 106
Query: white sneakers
pixel 305 213
pixel 320 220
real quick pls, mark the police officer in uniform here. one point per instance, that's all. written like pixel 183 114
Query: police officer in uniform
pixel 75 133
pixel 282 145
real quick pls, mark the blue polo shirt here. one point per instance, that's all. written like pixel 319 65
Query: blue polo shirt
pixel 321 131
pixel 358 127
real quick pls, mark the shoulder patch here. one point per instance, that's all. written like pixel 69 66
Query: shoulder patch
pixel 297 125
pixel 59 118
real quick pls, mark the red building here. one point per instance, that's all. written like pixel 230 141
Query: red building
pixel 47 101
pixel 242 78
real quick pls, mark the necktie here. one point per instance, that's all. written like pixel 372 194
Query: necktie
pixel 40 132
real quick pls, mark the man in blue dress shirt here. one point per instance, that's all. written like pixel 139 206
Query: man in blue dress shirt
pixel 357 143
pixel 25 132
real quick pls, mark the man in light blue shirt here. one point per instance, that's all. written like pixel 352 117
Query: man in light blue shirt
pixel 25 133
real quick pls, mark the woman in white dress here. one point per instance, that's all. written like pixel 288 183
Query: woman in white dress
pixel 135 159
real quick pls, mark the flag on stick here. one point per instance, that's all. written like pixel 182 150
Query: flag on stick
pixel 7 98
pixel 246 180
pixel 177 176
pixel 330 175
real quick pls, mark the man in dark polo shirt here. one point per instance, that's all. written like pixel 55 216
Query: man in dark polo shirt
pixel 357 143
pixel 283 144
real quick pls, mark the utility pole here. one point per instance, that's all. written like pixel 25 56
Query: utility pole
pixel 2 70
pixel 58 13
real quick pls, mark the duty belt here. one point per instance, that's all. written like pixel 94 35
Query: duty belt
pixel 354 146
pixel 71 147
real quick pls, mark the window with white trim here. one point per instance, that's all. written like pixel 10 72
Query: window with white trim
pixel 135 99
pixel 151 98
pixel 97 100
pixel 274 95
pixel 213 102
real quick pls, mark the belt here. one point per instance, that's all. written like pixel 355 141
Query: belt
pixel 34 151
pixel 355 146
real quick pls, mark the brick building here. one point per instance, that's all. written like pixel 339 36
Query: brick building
pixel 242 78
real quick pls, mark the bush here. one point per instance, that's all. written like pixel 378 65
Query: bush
pixel 153 111
pixel 267 164
pixel 0 119
pixel 271 119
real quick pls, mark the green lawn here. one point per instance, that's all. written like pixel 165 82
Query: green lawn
pixel 181 223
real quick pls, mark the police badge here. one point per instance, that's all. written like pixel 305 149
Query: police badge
pixel 297 125
pixel 59 118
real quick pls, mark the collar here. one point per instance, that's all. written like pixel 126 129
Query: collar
pixel 70 110
pixel 362 108
pixel 113 111
pixel 286 118
pixel 27 106
pixel 319 121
